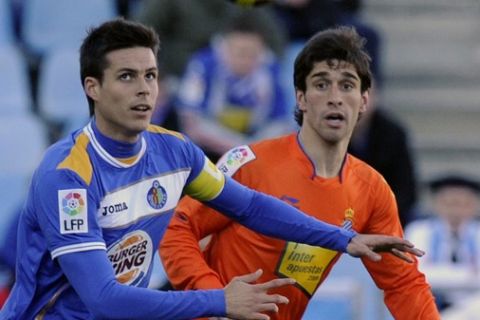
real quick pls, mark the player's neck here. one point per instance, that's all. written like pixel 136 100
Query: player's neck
pixel 117 149
pixel 327 158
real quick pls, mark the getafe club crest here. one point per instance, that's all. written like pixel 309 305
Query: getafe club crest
pixel 156 196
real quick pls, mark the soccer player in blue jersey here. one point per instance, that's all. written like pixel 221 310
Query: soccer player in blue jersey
pixel 101 199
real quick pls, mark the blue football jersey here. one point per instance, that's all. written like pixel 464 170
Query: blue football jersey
pixel 82 198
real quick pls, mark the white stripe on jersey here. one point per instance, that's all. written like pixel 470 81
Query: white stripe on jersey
pixel 127 205
pixel 86 246
pixel 106 156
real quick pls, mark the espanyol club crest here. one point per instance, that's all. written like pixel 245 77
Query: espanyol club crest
pixel 348 221
pixel 156 196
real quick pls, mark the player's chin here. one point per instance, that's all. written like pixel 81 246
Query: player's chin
pixel 139 125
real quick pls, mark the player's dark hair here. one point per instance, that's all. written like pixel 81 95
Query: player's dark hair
pixel 341 43
pixel 109 36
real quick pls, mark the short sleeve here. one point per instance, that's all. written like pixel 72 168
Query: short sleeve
pixel 66 211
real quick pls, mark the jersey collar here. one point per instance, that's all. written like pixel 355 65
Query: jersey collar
pixel 102 143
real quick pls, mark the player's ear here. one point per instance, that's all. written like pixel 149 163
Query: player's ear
pixel 300 98
pixel 92 86
pixel 365 101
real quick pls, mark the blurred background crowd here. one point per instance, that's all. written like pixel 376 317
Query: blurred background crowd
pixel 226 80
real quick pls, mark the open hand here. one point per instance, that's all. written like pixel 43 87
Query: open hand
pixel 248 301
pixel 369 244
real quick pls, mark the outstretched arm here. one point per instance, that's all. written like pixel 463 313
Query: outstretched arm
pixel 106 298
pixel 273 217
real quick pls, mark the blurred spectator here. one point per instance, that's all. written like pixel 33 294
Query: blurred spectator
pixel 16 10
pixel 304 18
pixel 382 141
pixel 231 92
pixel 165 115
pixel 451 234
pixel 185 26
pixel 129 8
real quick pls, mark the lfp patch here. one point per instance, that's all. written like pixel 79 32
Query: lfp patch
pixel 73 211
pixel 156 196
pixel 234 159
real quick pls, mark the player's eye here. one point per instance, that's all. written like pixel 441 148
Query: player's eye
pixel 321 85
pixel 347 86
pixel 151 76
pixel 125 76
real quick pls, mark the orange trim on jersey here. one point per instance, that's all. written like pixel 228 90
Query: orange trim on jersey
pixel 78 159
pixel 128 160
pixel 157 129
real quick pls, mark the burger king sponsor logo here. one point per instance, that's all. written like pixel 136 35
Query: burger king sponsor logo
pixel 131 257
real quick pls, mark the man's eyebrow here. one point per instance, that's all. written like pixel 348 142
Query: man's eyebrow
pixel 349 74
pixel 320 74
pixel 126 69
pixel 152 69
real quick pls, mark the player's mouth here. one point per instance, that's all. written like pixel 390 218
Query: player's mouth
pixel 141 108
pixel 335 118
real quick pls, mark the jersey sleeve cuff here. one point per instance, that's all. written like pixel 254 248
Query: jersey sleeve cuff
pixel 219 305
pixel 346 237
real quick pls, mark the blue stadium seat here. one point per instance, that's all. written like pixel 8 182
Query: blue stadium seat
pixel 15 96
pixel 61 98
pixel 6 24
pixel 24 139
pixel 49 24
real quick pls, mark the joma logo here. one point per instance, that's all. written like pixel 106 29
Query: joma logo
pixel 118 207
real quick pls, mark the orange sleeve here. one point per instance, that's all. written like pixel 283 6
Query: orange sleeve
pixel 179 249
pixel 406 292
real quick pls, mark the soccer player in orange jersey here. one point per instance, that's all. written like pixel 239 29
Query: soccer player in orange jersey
pixel 312 171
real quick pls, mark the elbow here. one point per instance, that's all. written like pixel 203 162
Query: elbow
pixel 99 305
pixel 99 308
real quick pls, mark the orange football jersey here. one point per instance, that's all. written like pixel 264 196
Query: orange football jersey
pixel 358 198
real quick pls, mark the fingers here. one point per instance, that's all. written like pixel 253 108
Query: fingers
pixel 275 298
pixel 249 301
pixel 250 277
pixel 363 245
pixel 385 241
pixel 275 283
pixel 411 250
pixel 401 255
pixel 372 255
pixel 260 316
pixel 396 240
pixel 416 252
pixel 268 307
